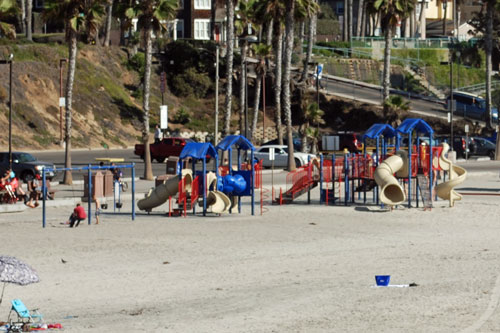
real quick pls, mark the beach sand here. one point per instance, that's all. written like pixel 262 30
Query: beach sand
pixel 297 268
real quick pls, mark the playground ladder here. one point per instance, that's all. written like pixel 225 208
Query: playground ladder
pixel 423 187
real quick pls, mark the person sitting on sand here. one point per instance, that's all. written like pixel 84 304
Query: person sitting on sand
pixel 77 216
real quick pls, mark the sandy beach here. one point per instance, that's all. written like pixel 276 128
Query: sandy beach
pixel 297 268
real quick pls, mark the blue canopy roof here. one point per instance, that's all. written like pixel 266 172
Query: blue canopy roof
pixel 380 129
pixel 235 140
pixel 198 150
pixel 411 124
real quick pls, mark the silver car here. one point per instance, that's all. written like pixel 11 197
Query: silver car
pixel 280 156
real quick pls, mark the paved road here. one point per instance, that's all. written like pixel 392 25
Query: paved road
pixel 374 96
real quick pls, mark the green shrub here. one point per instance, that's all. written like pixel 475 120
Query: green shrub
pixel 181 117
pixel 191 83
pixel 137 63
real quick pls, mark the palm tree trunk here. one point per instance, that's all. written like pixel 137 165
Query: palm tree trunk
pixel 212 19
pixel 364 21
pixel 23 15
pixel 148 170
pixel 244 49
pixel 490 8
pixel 73 48
pixel 109 18
pixel 256 102
pixel 310 42
pixel 345 22
pixel 302 26
pixel 303 146
pixel 29 20
pixel 287 107
pixel 387 64
pixel 269 33
pixel 350 23
pixel 229 65
pixel 277 77
pixel 360 17
pixel 444 19
pixel 423 22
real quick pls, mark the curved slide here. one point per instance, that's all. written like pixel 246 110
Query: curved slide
pixel 391 192
pixel 217 201
pixel 457 176
pixel 159 194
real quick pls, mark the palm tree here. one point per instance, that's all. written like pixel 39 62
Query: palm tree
pixel 151 17
pixel 8 9
pixel 266 11
pixel 309 9
pixel 244 13
pixel 29 20
pixel 109 19
pixel 229 66
pixel 73 13
pixel 287 107
pixel 94 12
pixel 391 12
pixel 262 53
pixel 312 116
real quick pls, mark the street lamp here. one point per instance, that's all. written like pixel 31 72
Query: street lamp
pixel 452 104
pixel 9 61
pixel 249 39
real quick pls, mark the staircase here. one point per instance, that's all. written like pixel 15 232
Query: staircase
pixel 419 75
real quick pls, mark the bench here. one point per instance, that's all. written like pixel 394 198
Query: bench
pixel 110 159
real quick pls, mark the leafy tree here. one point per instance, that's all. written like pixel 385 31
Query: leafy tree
pixel 8 9
pixel 75 14
pixel 150 16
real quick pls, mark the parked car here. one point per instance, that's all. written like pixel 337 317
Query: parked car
pixel 25 165
pixel 297 143
pixel 484 147
pixel 280 156
pixel 163 149
pixel 460 144
pixel 351 141
pixel 471 106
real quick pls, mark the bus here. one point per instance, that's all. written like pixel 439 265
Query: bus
pixel 471 106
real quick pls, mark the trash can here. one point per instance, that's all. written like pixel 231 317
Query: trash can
pixel 108 184
pixel 97 185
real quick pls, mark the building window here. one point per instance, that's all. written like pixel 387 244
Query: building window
pixel 201 29
pixel 180 28
pixel 202 4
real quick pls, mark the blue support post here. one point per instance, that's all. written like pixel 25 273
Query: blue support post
pixel 239 168
pixel 321 179
pixel 309 176
pixel 431 165
pixel 409 167
pixel 193 164
pixel 253 183
pixel 346 179
pixel 89 173
pixel 333 180
pixel 133 191
pixel 44 193
pixel 204 172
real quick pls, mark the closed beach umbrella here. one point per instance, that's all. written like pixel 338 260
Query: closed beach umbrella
pixel 13 270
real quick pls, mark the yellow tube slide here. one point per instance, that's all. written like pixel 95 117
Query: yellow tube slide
pixel 391 193
pixel 457 176
pixel 158 195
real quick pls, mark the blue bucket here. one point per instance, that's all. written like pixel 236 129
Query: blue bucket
pixel 382 280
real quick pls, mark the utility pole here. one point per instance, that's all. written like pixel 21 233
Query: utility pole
pixel 61 95
pixel 216 138
pixel 452 106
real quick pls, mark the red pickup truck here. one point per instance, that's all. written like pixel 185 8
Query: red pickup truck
pixel 163 149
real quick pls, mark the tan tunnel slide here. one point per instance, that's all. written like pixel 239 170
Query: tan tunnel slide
pixel 391 193
pixel 457 176
pixel 158 195
pixel 217 201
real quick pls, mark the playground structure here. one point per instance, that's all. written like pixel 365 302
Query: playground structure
pixel 393 174
pixel 218 191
